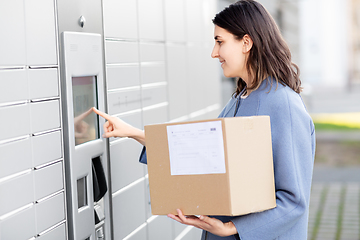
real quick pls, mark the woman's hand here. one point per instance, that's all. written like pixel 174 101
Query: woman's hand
pixel 115 127
pixel 206 223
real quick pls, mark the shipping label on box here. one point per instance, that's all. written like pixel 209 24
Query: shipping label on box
pixel 196 148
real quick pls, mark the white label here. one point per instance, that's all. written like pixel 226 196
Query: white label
pixel 196 148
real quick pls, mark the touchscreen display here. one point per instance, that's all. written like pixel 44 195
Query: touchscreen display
pixel 86 122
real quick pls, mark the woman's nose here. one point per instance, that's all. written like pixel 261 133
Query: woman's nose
pixel 215 52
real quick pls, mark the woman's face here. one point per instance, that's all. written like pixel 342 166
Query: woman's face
pixel 231 53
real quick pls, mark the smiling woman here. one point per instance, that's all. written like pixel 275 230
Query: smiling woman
pixel 250 47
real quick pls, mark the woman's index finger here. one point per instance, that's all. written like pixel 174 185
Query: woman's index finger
pixel 102 114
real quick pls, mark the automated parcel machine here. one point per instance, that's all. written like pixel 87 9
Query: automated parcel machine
pixel 86 159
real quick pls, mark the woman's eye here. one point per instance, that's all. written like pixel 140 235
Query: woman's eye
pixel 219 42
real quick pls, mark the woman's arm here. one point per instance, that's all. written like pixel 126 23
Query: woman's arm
pixel 115 127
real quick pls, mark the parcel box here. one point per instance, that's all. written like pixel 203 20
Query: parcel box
pixel 220 166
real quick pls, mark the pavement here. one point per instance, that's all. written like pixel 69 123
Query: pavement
pixel 335 196
pixel 334 211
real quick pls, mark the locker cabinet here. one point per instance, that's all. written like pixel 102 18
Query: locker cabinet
pixel 128 210
pixel 156 115
pixel 15 160
pixel 175 21
pixel 160 228
pixel 43 83
pixel 194 20
pixel 152 52
pixel 194 233
pixel 120 19
pixel 154 95
pixel 58 233
pixel 20 117
pixel 151 20
pixel 153 73
pixel 45 115
pixel 123 101
pixel 139 235
pixel 48 180
pixel 177 80
pixel 19 226
pixel 50 212
pixel 13 86
pixel 40 32
pixel 12 28
pixel 51 152
pixel 125 166
pixel 196 94
pixel 16 192
pixel 122 76
pixel 121 52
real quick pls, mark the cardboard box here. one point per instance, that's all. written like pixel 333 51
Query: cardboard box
pixel 220 166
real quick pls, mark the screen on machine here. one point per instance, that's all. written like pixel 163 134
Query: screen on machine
pixel 86 122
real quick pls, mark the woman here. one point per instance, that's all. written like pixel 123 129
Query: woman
pixel 250 47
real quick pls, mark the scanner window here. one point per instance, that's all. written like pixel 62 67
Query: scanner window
pixel 82 192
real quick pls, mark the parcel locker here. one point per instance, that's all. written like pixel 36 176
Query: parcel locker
pixel 16 193
pixel 15 160
pixel 153 73
pixel 20 117
pixel 124 101
pixel 122 76
pixel 14 86
pixel 152 52
pixel 48 180
pixel 12 25
pixel 43 83
pixel 58 233
pixel 40 32
pixel 139 234
pixel 121 52
pixel 151 20
pixel 177 80
pixel 120 19
pixel 49 212
pixel 154 95
pixel 175 20
pixel 53 143
pixel 127 219
pixel 21 225
pixel 194 20
pixel 125 167
pixel 160 222
pixel 45 115
pixel 156 115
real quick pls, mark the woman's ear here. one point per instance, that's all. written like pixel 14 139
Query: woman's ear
pixel 248 43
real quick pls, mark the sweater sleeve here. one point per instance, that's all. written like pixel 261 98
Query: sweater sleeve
pixel 293 141
pixel 143 158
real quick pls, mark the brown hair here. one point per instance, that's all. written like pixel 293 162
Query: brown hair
pixel 270 55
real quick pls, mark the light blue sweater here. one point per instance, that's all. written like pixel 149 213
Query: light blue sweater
pixel 293 139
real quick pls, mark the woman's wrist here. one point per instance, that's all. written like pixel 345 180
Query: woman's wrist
pixel 138 135
pixel 231 228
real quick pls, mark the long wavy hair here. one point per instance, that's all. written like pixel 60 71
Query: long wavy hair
pixel 270 55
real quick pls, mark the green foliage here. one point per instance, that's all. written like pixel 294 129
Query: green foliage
pixel 334 127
